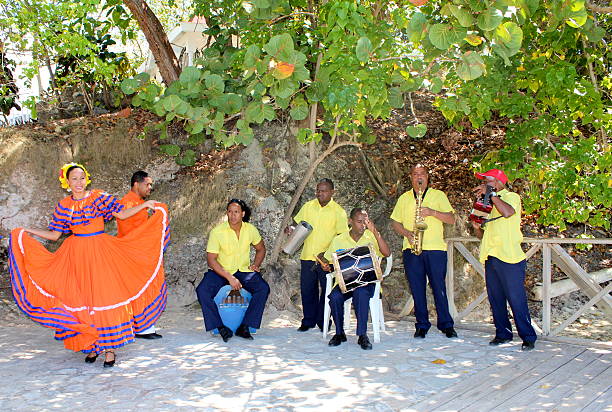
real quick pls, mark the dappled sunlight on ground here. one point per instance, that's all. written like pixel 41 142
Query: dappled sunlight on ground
pixel 281 369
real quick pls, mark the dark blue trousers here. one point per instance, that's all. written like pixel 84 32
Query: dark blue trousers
pixel 430 264
pixel 251 281
pixel 361 301
pixel 312 288
pixel 505 283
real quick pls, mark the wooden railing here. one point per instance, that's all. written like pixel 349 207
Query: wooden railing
pixel 552 253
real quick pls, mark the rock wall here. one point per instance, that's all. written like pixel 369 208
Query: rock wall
pixel 265 174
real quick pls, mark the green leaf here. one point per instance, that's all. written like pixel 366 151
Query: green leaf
pixel 436 85
pixel 442 36
pixel 299 109
pixel 130 86
pixel 417 131
pixel 251 56
pixel 230 103
pixel 462 15
pixel 257 112
pixel 190 74
pixel 363 49
pixel 187 159
pixel 170 149
pixel 417 28
pixel 396 98
pixel 172 103
pixel 576 14
pixel 490 19
pixel 214 83
pixel 280 47
pixel 471 67
pixel 507 40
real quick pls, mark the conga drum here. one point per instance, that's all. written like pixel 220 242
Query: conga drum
pixel 356 267
pixel 232 306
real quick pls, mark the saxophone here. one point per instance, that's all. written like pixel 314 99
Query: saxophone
pixel 419 224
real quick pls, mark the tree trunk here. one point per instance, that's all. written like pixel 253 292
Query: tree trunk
pixel 160 46
pixel 280 237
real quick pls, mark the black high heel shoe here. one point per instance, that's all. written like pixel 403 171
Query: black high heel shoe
pixel 111 363
pixel 90 358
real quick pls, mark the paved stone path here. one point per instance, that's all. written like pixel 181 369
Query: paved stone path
pixel 280 370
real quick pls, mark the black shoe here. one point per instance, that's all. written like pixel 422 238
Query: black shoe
pixel 526 346
pixel 420 333
pixel 304 328
pixel 90 358
pixel 244 332
pixel 498 341
pixel 450 332
pixel 337 339
pixel 148 335
pixel 111 363
pixel 225 332
pixel 364 342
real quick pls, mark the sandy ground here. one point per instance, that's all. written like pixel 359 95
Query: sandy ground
pixel 281 369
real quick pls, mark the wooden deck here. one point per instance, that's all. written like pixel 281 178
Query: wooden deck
pixel 554 377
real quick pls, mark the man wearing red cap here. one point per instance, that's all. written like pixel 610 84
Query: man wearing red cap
pixel 504 260
pixel 431 262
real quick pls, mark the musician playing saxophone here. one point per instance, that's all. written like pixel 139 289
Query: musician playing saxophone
pixel 424 251
pixel 362 232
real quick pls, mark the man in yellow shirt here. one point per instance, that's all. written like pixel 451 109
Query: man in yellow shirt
pixel 140 185
pixel 504 260
pixel 327 219
pixel 431 263
pixel 228 257
pixel 362 233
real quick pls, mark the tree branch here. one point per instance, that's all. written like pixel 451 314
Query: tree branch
pixel 598 9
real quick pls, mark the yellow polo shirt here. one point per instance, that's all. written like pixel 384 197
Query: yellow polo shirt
pixel 326 222
pixel 345 241
pixel 502 237
pixel 234 253
pixel 403 212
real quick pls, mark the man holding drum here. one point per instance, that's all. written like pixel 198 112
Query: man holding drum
pixel 327 219
pixel 425 257
pixel 362 233
pixel 504 260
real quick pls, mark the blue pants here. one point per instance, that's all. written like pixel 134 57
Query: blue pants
pixel 430 264
pixel 251 281
pixel 312 288
pixel 505 283
pixel 361 301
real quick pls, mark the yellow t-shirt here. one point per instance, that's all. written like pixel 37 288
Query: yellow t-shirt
pixel 326 222
pixel 403 212
pixel 345 241
pixel 502 237
pixel 233 253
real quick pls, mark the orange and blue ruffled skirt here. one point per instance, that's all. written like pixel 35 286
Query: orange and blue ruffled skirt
pixel 96 291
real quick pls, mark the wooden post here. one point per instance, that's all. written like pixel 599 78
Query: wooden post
pixel 546 279
pixel 450 279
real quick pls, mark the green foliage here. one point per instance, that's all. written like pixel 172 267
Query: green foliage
pixel 521 63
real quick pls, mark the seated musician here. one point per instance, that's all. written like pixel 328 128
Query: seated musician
pixel 228 256
pixel 362 232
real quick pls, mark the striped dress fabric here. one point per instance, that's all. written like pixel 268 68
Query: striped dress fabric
pixel 96 291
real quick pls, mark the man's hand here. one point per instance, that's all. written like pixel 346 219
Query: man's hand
pixel 289 229
pixel 325 266
pixel 254 268
pixel 235 283
pixel 480 190
pixel 425 211
pixel 476 225
pixel 370 225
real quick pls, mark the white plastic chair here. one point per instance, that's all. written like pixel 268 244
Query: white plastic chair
pixel 376 308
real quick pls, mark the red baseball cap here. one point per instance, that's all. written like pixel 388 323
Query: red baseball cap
pixel 496 173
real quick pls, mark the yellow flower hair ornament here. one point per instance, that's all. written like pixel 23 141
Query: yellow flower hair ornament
pixel 63 176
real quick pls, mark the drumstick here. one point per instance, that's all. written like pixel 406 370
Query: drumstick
pixel 319 260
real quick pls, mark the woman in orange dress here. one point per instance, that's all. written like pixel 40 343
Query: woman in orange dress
pixel 96 291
